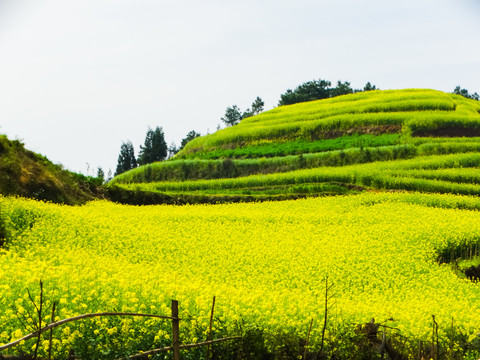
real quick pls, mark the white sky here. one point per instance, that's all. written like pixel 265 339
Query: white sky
pixel 79 77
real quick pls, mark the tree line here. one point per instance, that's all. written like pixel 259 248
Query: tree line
pixel 319 89
pixel 154 149
pixel 464 92
pixel 308 91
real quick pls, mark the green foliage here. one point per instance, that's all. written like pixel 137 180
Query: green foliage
pixel 341 89
pixel 319 89
pixel 411 175
pixel 154 149
pixel 271 149
pixel 189 137
pixel 126 158
pixel 232 116
pixel 28 174
pixel 100 174
pixel 464 92
pixel 308 91
pixel 257 106
pixel 369 87
pixel 15 220
pixel 193 169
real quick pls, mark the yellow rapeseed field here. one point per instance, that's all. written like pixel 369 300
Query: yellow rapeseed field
pixel 266 263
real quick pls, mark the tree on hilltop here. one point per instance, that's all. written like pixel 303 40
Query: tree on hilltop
pixel 342 89
pixel 189 137
pixel 155 147
pixel 101 174
pixel 369 87
pixel 257 105
pixel 308 91
pixel 172 150
pixel 319 89
pixel 126 159
pixel 464 92
pixel 233 115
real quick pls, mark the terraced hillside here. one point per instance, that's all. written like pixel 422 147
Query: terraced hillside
pixel 414 139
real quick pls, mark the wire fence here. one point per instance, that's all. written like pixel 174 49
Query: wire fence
pixel 174 318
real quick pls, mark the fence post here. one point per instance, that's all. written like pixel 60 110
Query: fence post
pixel 210 330
pixel 175 330
pixel 51 332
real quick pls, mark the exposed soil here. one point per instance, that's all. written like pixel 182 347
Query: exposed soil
pixel 449 132
pixel 473 273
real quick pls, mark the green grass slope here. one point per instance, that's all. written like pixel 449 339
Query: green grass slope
pixel 27 174
pixel 414 139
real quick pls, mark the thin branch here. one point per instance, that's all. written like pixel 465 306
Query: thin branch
pixel 25 324
pixel 51 333
pixel 389 327
pixel 308 338
pixel 31 299
pixel 35 352
pixel 327 288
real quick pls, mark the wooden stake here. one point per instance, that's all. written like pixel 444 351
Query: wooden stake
pixel 434 350
pixel 209 338
pixel 39 312
pixel 308 338
pixel 51 333
pixel 325 319
pixel 175 330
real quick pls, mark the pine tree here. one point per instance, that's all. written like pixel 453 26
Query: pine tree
pixel 464 92
pixel 155 147
pixel 100 174
pixel 126 159
pixel 232 116
pixel 257 106
pixel 190 136
pixel 369 87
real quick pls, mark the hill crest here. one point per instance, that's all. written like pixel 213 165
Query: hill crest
pixel 27 174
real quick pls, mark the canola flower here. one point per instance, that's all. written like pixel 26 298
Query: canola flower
pixel 266 263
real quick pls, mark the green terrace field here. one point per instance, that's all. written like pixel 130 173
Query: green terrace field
pixel 418 112
pixel 413 140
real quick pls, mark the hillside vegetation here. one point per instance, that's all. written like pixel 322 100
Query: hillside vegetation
pixel 25 173
pixel 389 140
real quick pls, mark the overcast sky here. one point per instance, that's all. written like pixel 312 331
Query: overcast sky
pixel 79 77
